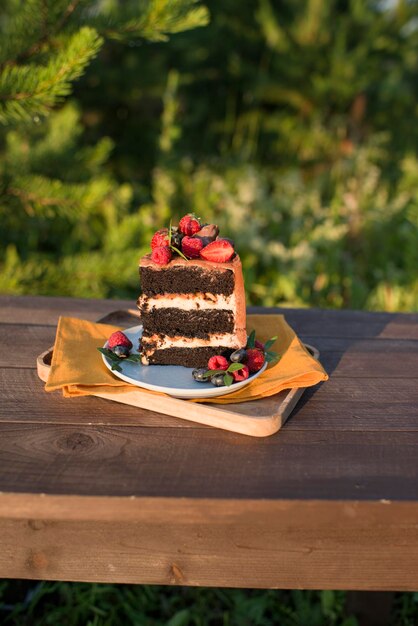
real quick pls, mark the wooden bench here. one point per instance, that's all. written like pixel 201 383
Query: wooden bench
pixel 98 491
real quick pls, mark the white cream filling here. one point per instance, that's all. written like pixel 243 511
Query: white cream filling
pixel 227 340
pixel 189 302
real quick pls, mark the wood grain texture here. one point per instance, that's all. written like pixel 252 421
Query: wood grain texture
pixel 313 322
pixel 28 310
pixel 260 418
pixel 340 356
pixel 389 404
pixel 207 463
pixel 329 502
pixel 244 543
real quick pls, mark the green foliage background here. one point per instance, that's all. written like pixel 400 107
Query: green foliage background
pixel 294 129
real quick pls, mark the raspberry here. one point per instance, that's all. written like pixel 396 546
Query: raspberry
pixel 189 225
pixel 191 247
pixel 259 345
pixel 160 239
pixel 161 255
pixel 255 359
pixel 241 374
pixel 218 363
pixel 219 251
pixel 118 338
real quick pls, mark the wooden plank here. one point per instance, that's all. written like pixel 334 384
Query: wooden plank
pixel 24 400
pixel 239 543
pixel 343 404
pixel 366 416
pixel 313 322
pixel 46 310
pixel 340 356
pixel 126 461
pixel 354 324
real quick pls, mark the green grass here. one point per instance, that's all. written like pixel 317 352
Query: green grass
pixel 30 603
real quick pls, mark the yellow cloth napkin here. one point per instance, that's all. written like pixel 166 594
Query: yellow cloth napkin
pixel 77 367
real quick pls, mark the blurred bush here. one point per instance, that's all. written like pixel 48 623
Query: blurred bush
pixel 295 129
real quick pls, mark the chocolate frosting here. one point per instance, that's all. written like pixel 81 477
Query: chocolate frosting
pixel 234 264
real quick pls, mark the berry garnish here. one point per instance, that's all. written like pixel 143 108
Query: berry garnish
pixel 160 239
pixel 198 374
pixel 118 338
pixel 269 355
pixel 220 370
pixel 231 241
pixel 121 351
pixel 191 246
pixel 209 232
pixel 189 225
pixel 238 356
pixel 218 363
pixel 218 380
pixel 176 237
pixel 161 255
pixel 255 359
pixel 219 251
pixel 241 374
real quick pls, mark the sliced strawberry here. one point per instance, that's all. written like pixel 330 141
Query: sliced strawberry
pixel 219 251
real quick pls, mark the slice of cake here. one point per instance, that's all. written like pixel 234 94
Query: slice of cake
pixel 192 307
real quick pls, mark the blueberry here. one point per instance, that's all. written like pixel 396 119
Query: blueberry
pixel 198 375
pixel 218 380
pixel 238 356
pixel 121 351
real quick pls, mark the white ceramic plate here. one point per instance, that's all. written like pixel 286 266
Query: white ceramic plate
pixel 173 380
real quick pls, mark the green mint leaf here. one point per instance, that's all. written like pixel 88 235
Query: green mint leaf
pixel 109 354
pixel 228 380
pixel 115 359
pixel 269 343
pixel 179 252
pixel 134 358
pixel 272 353
pixel 251 340
pixel 234 367
pixel 272 357
pixel 211 373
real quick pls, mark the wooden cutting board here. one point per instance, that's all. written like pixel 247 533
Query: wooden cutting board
pixel 258 418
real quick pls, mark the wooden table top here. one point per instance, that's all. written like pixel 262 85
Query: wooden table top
pixel 331 500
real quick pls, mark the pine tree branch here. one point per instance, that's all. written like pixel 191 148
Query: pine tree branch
pixel 46 37
pixel 32 89
pixel 28 199
pixel 155 22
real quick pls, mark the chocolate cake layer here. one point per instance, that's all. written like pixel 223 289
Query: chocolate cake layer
pixel 199 324
pixel 183 279
pixel 188 357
